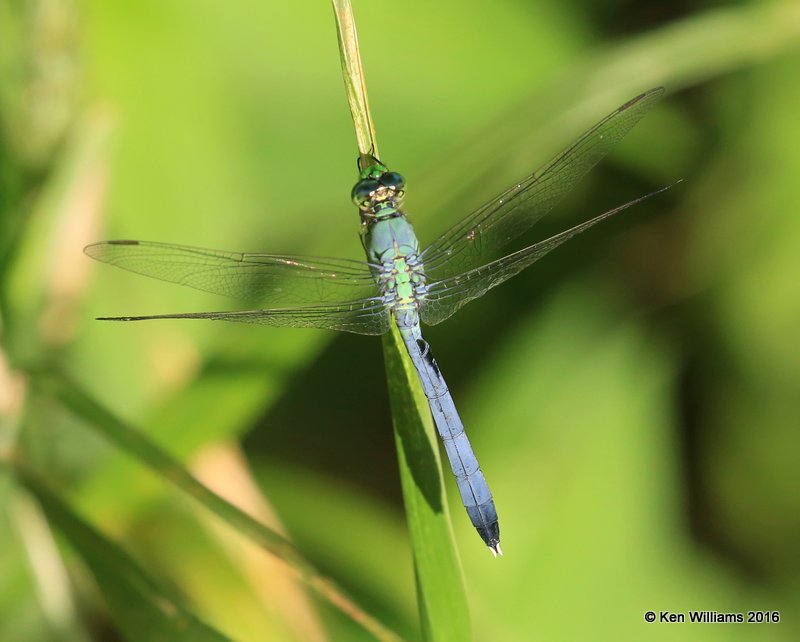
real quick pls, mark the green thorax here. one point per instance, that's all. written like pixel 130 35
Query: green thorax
pixel 388 239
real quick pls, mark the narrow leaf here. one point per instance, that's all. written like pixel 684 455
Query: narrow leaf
pixel 137 445
pixel 142 607
pixel 443 608
pixel 440 585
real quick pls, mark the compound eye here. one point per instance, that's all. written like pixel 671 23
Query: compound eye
pixel 363 190
pixel 393 180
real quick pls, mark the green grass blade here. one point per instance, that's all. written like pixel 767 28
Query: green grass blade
pixel 149 454
pixel 353 73
pixel 443 607
pixel 142 607
pixel 440 585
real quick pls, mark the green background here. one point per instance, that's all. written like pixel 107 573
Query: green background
pixel 634 398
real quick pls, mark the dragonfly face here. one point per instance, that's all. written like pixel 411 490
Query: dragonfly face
pixel 379 193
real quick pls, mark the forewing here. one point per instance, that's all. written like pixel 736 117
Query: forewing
pixel 479 237
pixel 265 279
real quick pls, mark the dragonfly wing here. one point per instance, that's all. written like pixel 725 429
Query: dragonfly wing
pixel 266 279
pixel 444 298
pixel 365 316
pixel 479 236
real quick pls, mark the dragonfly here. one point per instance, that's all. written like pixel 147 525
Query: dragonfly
pixel 400 282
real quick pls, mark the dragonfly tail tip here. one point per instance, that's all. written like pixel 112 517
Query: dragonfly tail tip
pixel 496 550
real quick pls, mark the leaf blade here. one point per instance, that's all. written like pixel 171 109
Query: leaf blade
pixel 137 445
pixel 143 608
pixel 441 595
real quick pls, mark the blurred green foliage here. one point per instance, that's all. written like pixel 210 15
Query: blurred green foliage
pixel 633 398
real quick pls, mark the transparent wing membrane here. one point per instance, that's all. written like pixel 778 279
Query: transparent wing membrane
pixel 340 294
pixel 266 279
pixel 447 296
pixel 367 316
pixel 478 238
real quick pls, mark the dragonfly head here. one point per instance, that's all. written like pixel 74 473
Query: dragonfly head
pixel 378 188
